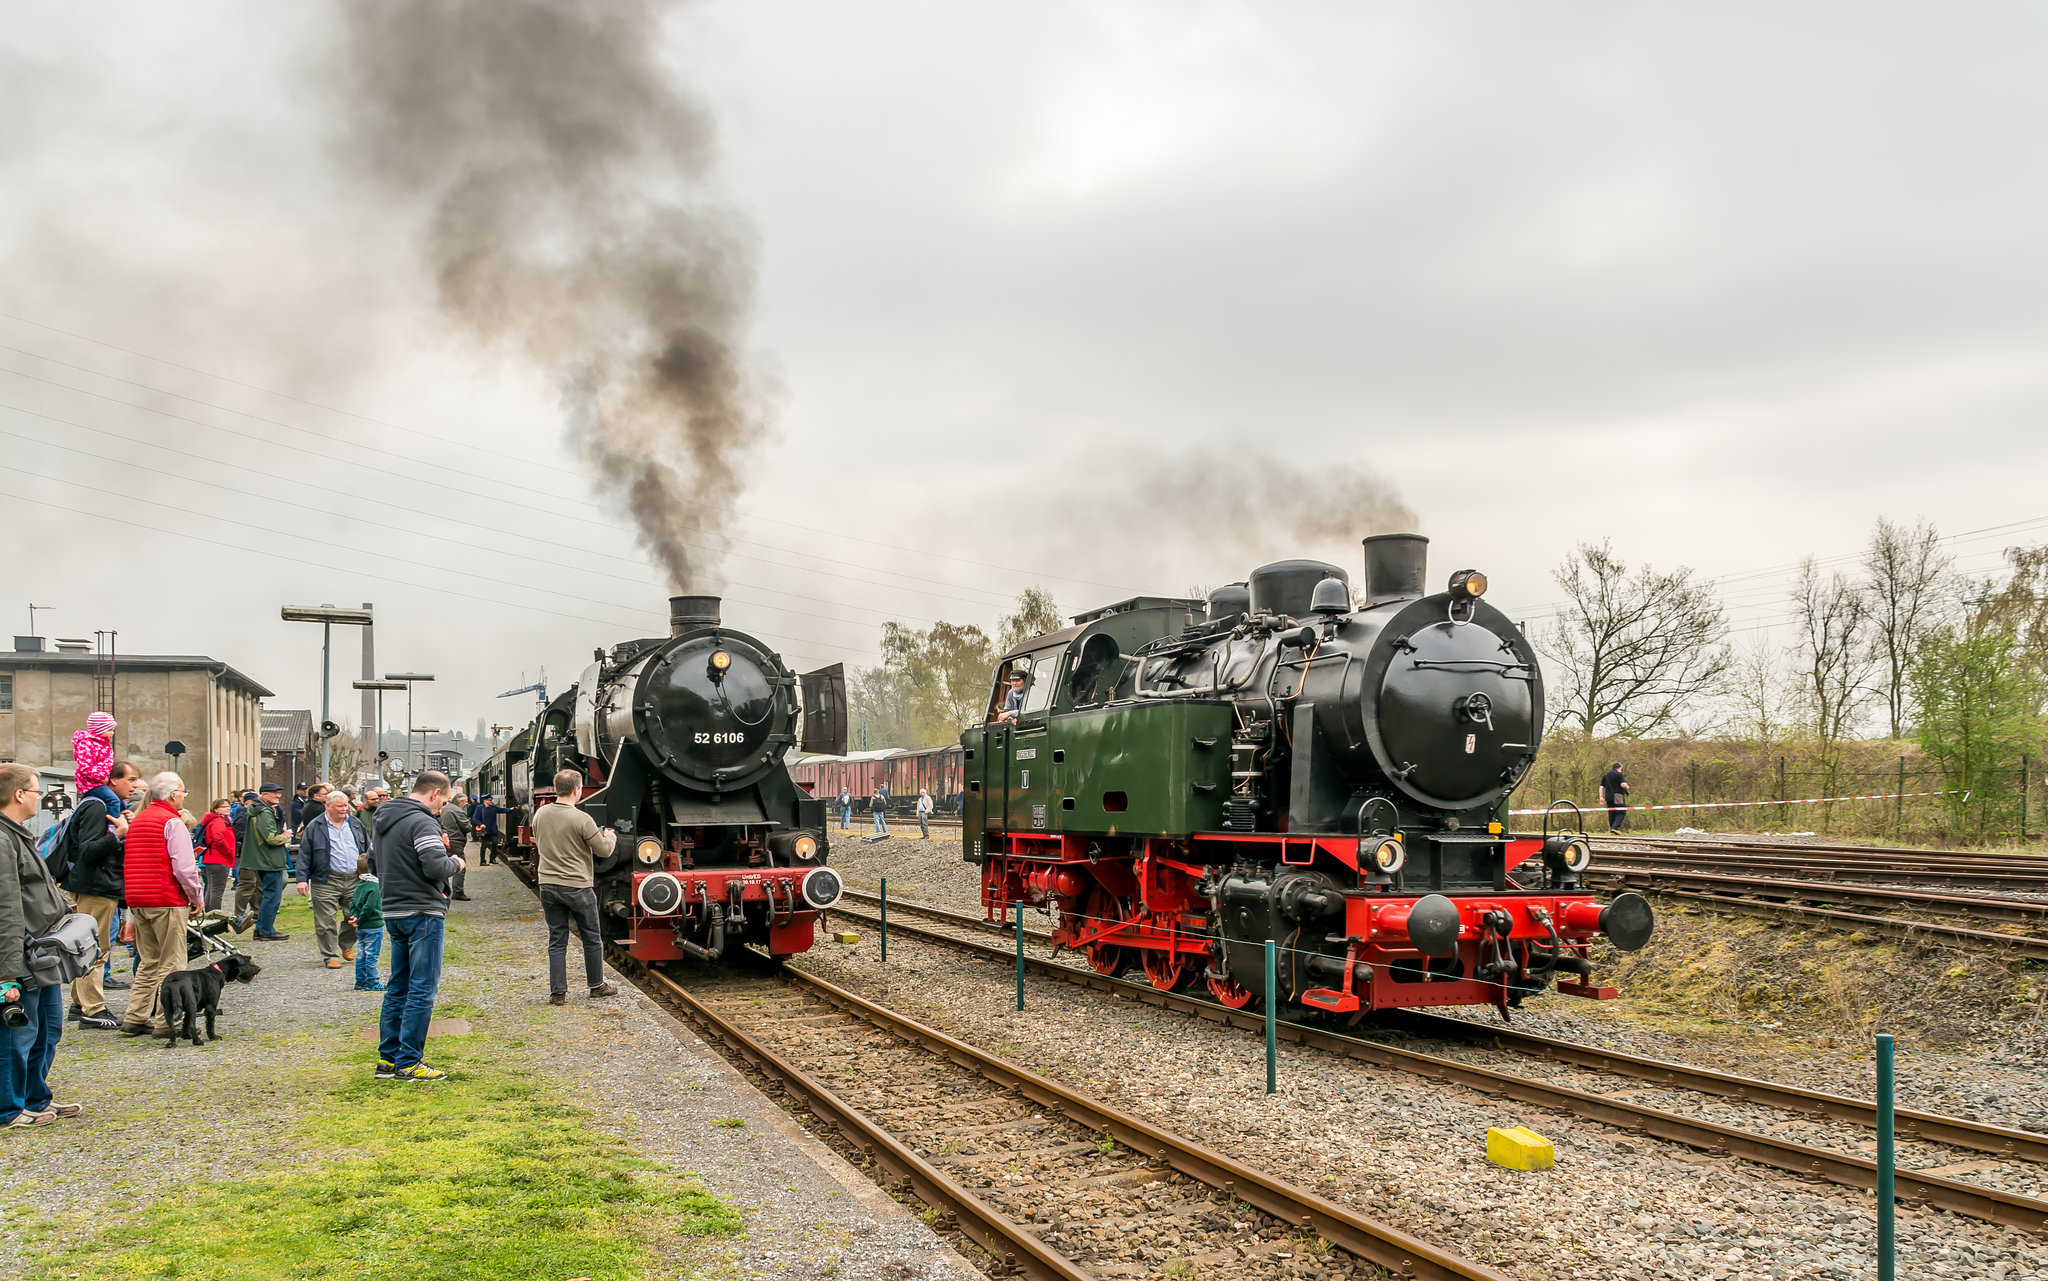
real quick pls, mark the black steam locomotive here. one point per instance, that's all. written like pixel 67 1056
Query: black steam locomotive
pixel 1188 781
pixel 681 740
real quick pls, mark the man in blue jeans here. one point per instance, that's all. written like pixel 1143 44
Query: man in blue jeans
pixel 413 865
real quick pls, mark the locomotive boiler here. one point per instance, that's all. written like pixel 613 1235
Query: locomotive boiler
pixel 1183 782
pixel 681 740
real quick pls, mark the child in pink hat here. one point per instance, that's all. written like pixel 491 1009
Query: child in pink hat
pixel 93 749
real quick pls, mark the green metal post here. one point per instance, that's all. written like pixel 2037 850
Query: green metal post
pixel 1020 956
pixel 1887 1261
pixel 885 920
pixel 1272 1013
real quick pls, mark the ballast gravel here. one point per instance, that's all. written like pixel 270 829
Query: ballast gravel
pixel 1412 1151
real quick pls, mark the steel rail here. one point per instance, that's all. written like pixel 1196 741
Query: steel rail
pixel 1375 1242
pixel 1609 860
pixel 1368 1239
pixel 1997 1140
pixel 2020 943
pixel 1988 1204
pixel 1826 892
pixel 1902 852
pixel 982 1223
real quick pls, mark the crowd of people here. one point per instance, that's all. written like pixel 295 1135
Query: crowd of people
pixel 379 871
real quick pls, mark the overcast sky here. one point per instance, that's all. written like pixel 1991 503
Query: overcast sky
pixel 1038 285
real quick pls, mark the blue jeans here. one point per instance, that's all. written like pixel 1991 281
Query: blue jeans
pixel 845 817
pixel 26 1052
pixel 881 824
pixel 266 907
pixel 368 944
pixel 409 995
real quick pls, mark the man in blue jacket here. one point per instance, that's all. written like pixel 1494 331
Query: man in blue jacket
pixel 414 864
pixel 329 846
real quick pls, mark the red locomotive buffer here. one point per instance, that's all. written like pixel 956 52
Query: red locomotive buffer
pixel 1295 763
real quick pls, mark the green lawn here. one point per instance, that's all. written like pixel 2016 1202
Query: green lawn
pixel 493 1174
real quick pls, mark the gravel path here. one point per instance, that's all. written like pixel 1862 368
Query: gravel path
pixel 808 1214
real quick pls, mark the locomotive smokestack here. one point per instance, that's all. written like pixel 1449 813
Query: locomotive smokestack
pixel 1395 565
pixel 688 612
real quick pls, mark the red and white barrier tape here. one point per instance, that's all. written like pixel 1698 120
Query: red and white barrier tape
pixel 1716 805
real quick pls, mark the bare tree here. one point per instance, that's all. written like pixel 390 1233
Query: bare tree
pixel 1907 591
pixel 1835 660
pixel 1632 648
pixel 1755 689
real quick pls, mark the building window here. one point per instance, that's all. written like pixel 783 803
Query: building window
pixel 7 693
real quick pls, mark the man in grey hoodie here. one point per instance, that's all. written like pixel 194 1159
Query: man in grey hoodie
pixel 414 864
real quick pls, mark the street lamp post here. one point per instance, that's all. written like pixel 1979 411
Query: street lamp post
pixel 328 617
pixel 408 678
pixel 377 763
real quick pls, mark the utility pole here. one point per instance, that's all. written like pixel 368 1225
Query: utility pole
pixel 410 678
pixel 328 617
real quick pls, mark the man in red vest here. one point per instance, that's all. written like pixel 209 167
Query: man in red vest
pixel 163 890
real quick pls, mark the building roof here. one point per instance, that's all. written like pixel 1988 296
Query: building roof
pixel 287 731
pixel 19 661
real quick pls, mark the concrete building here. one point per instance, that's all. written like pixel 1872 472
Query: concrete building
pixel 214 710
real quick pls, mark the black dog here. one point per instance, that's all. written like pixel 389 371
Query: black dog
pixel 190 993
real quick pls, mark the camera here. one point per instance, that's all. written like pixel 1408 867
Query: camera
pixel 13 1013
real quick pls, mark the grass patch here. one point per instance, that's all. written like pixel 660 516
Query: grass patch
pixel 489 1175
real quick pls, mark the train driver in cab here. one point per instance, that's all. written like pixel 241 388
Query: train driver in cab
pixel 1013 702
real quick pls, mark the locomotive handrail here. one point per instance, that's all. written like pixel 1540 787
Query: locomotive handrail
pixel 1580 830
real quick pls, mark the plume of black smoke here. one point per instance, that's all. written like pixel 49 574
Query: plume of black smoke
pixel 564 177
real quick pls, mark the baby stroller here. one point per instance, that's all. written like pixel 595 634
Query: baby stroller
pixel 203 936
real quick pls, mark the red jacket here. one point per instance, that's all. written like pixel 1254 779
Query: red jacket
pixel 147 880
pixel 219 836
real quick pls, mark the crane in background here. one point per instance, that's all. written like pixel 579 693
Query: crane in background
pixel 539 689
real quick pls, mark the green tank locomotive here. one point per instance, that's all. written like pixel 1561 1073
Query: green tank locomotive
pixel 1182 781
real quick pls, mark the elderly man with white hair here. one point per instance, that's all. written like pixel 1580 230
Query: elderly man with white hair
pixel 162 888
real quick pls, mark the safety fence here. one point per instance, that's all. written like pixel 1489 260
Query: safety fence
pixel 1862 793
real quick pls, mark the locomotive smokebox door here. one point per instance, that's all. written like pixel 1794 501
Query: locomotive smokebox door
pixel 825 710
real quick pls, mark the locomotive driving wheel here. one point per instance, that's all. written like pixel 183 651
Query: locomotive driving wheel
pixel 1229 993
pixel 1108 959
pixel 1169 971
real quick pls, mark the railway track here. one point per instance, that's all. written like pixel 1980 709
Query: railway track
pixel 1047 1182
pixel 1957 870
pixel 1808 900
pixel 1990 1204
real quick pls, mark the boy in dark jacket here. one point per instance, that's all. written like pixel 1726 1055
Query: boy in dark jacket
pixel 93 856
pixel 413 867
pixel 366 913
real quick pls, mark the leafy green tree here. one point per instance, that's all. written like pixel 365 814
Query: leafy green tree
pixel 1979 706
pixel 935 681
pixel 1036 615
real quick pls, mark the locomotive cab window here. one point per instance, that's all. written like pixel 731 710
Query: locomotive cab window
pixel 999 699
pixel 1045 678
pixel 1098 664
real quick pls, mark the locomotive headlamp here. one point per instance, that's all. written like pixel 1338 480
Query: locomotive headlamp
pixel 1576 855
pixel 648 851
pixel 720 660
pixel 1468 583
pixel 806 847
pixel 1389 855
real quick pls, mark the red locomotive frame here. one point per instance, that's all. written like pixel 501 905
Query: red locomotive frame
pixel 1148 907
